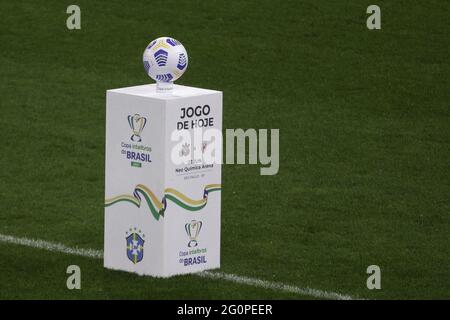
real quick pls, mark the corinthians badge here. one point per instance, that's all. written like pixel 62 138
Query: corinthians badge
pixel 137 124
pixel 193 230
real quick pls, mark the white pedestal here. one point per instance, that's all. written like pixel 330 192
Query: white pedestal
pixel 161 218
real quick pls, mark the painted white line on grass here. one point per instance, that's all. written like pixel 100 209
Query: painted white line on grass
pixel 52 246
pixel 277 286
pixel 98 254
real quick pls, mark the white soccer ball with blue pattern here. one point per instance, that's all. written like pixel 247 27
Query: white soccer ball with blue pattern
pixel 165 60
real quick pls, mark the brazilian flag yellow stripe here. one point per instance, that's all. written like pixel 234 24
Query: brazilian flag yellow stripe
pixel 152 196
pixel 183 198
pixel 170 194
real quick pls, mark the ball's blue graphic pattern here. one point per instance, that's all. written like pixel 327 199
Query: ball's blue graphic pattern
pixel 151 44
pixel 161 57
pixel 164 77
pixel 181 61
pixel 173 42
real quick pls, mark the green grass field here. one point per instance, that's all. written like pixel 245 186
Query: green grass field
pixel 364 119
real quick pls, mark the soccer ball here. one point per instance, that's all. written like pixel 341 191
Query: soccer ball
pixel 165 60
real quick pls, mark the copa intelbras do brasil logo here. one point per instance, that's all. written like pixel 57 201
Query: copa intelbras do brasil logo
pixel 136 153
pixel 192 257
pixel 135 245
pixel 196 255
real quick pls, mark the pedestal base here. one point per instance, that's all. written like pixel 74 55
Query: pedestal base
pixel 161 218
pixel 164 87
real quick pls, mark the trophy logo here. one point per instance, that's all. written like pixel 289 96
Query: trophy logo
pixel 193 230
pixel 137 124
pixel 135 245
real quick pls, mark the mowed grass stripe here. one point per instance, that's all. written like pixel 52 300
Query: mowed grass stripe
pixel 98 254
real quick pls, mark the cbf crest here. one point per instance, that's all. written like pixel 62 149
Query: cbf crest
pixel 135 245
pixel 137 124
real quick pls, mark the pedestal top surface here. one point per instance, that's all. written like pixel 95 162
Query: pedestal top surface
pixel 149 90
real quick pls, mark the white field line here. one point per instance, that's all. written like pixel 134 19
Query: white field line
pixel 98 254
pixel 52 246
pixel 277 286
